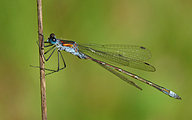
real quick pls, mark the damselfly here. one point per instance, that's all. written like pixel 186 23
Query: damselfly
pixel 127 55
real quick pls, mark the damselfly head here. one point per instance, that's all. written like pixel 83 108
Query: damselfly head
pixel 52 38
pixel 52 35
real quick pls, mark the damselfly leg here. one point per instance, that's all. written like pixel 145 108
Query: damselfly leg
pixel 51 48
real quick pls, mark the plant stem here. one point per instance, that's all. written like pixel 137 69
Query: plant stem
pixel 42 65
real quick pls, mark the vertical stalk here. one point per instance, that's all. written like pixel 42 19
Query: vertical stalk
pixel 41 60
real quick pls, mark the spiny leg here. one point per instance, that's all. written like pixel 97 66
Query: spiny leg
pixel 50 54
pixel 63 61
pixel 58 68
pixel 45 58
pixel 50 57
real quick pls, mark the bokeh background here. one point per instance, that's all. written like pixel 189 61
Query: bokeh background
pixel 84 90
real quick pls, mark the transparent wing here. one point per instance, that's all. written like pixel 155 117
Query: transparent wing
pixel 119 75
pixel 127 55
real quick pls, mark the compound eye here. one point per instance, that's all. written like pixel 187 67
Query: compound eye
pixel 52 35
pixel 54 40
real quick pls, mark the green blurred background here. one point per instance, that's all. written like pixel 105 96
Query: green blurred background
pixel 84 90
